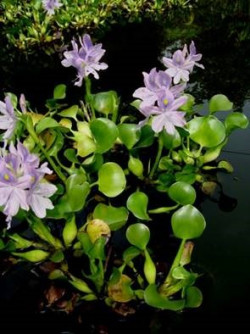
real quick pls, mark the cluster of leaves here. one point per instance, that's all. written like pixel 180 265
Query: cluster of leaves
pixel 27 27
pixel 106 185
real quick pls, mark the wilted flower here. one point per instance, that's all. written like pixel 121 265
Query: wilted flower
pixel 8 118
pixel 167 114
pixel 21 183
pixel 156 83
pixel 182 63
pixel 51 5
pixel 85 59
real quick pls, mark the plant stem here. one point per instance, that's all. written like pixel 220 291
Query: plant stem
pixel 157 159
pixel 163 209
pixel 175 264
pixel 88 96
pixel 33 134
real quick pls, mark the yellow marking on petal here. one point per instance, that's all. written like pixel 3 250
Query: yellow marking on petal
pixel 33 179
pixel 6 177
pixel 165 101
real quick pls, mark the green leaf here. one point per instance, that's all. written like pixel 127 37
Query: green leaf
pixel 70 112
pixel 84 142
pixel 46 123
pixel 37 255
pixel 59 92
pixel 114 217
pixel 188 222
pixel 44 233
pixel 236 120
pixel 80 285
pixel 106 102
pixel 207 131
pixel 98 249
pixel 77 190
pixel 182 193
pixel 188 106
pixel 193 297
pixel 147 137
pixel 20 242
pixel 226 166
pixel 135 166
pixel 130 253
pixel 70 231
pixel 138 235
pixel 129 134
pixel 70 154
pixel 93 163
pixel 57 257
pixel 111 179
pixel 137 203
pixel 149 268
pixel 219 102
pixel 170 141
pixel 105 133
pixel 154 299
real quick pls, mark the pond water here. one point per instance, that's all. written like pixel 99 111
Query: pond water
pixel 223 252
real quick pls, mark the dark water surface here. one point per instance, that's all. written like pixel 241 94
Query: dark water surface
pixel 223 251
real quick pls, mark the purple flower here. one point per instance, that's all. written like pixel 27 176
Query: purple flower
pixel 85 59
pixel 167 114
pixel 51 5
pixel 38 198
pixel 21 183
pixel 182 63
pixel 23 104
pixel 8 118
pixel 156 83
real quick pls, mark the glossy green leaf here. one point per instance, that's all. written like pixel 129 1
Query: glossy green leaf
pixel 135 166
pixel 36 255
pixel 98 249
pixel 93 163
pixel 154 299
pixel 80 285
pixel 57 144
pixel 20 242
pixel 70 231
pixel 226 166
pixel 46 123
pixel 146 138
pixel 130 253
pixel 77 190
pixel 70 112
pixel 188 222
pixel 137 203
pixel 149 268
pixel 194 297
pixel 188 106
pixel 111 179
pixel 84 142
pixel 138 235
pixel 236 120
pixel 170 141
pixel 219 102
pixel 105 133
pixel 57 257
pixel 182 193
pixel 114 217
pixel 129 134
pixel 59 92
pixel 106 102
pixel 70 154
pixel 180 273
pixel 212 153
pixel 207 131
pixel 44 233
pixel 85 241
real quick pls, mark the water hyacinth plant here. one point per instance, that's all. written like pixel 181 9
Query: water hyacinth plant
pixel 83 169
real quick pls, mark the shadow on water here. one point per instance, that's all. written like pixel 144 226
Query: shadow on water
pixel 223 252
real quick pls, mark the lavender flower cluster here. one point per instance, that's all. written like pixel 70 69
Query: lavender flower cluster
pixel 22 183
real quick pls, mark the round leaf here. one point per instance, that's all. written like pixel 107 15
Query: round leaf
pixel 129 134
pixel 188 222
pixel 111 179
pixel 105 133
pixel 106 102
pixel 114 217
pixel 121 291
pixel 135 166
pixel 171 141
pixel 219 102
pixel 137 203
pixel 182 193
pixel 59 92
pixel 138 235
pixel 207 131
pixel 193 297
pixel 154 299
pixel 236 120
